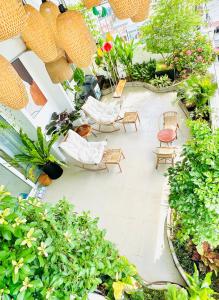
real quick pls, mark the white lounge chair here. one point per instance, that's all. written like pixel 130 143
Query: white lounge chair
pixel 85 154
pixel 102 113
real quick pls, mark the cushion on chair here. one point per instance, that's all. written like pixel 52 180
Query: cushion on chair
pixel 101 112
pixel 81 150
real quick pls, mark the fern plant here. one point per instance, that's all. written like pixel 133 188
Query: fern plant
pixel 37 152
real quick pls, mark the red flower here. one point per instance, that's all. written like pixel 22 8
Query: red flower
pixel 107 47
pixel 200 49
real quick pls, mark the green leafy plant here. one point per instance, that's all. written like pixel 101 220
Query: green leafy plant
pixel 144 71
pixel 194 186
pixel 62 123
pixel 170 27
pixel 125 52
pixel 198 289
pixel 50 252
pixel 37 152
pixel 162 81
pixel 79 79
pixel 197 90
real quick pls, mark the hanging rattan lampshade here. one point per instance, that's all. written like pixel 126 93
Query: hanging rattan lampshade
pixel 124 9
pixel 59 70
pixel 12 89
pixel 12 18
pixel 75 38
pixel 38 36
pixel 91 3
pixel 50 12
pixel 143 11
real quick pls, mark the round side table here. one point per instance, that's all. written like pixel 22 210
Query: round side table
pixel 84 130
pixel 166 136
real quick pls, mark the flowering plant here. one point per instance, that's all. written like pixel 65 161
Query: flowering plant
pixel 196 56
pixel 50 252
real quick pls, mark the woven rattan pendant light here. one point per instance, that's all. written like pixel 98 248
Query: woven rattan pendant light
pixel 75 38
pixel 12 18
pixel 143 11
pixel 12 89
pixel 124 9
pixel 50 12
pixel 91 3
pixel 59 70
pixel 38 36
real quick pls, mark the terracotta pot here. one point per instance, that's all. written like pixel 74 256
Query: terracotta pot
pixel 44 180
pixel 37 95
pixel 83 130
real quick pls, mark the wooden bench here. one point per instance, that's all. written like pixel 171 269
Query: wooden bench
pixel 120 88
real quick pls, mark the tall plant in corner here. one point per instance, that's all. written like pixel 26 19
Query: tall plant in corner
pixel 38 153
pixel 173 23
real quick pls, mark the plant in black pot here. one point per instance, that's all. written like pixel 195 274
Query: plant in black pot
pixel 38 153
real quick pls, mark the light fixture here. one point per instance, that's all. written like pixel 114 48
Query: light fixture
pixel 59 70
pixel 12 18
pixel 50 12
pixel 38 36
pixel 75 38
pixel 124 9
pixel 91 3
pixel 143 11
pixel 12 90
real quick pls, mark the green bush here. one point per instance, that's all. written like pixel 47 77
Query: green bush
pixel 144 71
pixel 50 252
pixel 162 81
pixel 194 186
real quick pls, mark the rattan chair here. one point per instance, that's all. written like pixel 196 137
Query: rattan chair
pixel 170 121
pixel 165 155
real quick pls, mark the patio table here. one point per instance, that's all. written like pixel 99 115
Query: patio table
pixel 166 136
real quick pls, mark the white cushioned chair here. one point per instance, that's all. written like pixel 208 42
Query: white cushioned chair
pixel 78 149
pixel 102 113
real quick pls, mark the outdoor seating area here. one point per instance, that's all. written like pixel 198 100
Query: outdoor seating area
pixel 109 150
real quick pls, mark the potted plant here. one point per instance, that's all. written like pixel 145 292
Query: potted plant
pixel 62 123
pixel 38 153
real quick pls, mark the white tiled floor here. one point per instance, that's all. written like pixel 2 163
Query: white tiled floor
pixel 130 205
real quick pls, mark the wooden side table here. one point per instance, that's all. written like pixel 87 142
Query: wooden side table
pixel 130 118
pixel 113 157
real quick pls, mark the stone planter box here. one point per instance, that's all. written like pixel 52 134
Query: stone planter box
pixel 152 88
pixel 148 86
pixel 184 108
pixel 172 250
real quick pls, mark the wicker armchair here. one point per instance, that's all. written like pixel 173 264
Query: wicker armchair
pixel 170 121
pixel 165 155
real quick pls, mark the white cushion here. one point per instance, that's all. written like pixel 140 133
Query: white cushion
pixel 101 112
pixel 81 150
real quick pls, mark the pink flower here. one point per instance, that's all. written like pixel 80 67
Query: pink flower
pixel 199 58
pixel 199 49
pixel 189 52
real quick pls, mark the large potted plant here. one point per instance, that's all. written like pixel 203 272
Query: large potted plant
pixel 38 153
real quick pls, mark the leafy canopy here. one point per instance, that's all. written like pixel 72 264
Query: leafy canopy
pixel 172 24
pixel 194 186
pixel 50 252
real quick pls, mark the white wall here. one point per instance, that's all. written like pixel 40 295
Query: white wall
pixel 58 100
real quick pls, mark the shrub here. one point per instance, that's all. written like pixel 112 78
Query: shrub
pixel 194 186
pixel 196 55
pixel 162 81
pixel 50 252
pixel 144 71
